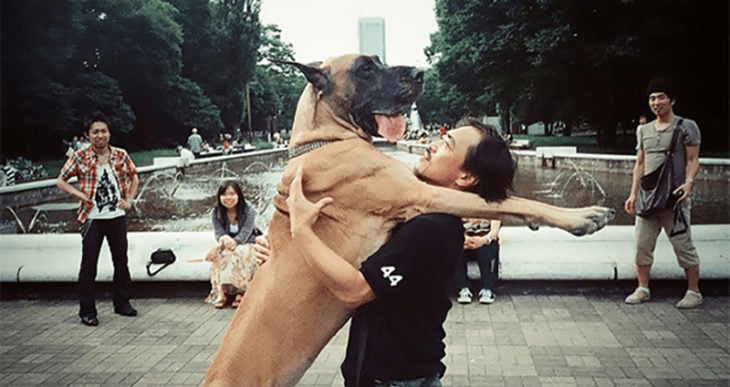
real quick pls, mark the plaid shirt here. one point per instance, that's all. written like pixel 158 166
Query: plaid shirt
pixel 83 165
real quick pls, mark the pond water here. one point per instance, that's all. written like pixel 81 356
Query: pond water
pixel 172 202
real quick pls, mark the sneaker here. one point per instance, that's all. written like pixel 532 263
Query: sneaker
pixel 691 300
pixel 639 295
pixel 464 296
pixel 486 296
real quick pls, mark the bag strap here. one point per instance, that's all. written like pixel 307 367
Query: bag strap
pixel 153 273
pixel 675 134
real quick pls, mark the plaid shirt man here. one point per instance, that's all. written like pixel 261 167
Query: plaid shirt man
pixel 83 164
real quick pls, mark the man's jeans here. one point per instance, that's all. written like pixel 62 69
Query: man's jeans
pixel 422 382
pixel 93 232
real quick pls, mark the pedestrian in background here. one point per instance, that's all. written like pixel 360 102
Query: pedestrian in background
pixel 194 142
pixel 653 140
pixel 107 185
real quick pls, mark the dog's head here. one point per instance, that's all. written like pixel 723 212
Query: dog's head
pixel 365 92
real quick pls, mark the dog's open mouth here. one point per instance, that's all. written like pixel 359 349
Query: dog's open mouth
pixel 392 127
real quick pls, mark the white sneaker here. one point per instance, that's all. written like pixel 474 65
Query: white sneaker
pixel 691 300
pixel 639 295
pixel 486 296
pixel 465 296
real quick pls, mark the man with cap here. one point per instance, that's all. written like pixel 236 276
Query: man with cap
pixel 653 139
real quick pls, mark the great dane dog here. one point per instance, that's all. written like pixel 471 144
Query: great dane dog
pixel 286 316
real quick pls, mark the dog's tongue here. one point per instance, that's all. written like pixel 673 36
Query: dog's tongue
pixel 392 128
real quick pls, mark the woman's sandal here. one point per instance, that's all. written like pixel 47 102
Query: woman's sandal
pixel 237 300
pixel 220 303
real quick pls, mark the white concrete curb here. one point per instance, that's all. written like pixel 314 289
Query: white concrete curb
pixel 546 254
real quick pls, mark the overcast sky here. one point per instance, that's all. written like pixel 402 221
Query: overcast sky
pixel 319 29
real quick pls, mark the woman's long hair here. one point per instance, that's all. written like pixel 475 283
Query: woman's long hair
pixel 221 210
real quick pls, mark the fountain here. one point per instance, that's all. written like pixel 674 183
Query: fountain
pixel 158 179
pixel 174 207
pixel 587 184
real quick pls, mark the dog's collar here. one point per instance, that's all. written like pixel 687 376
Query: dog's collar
pixel 310 146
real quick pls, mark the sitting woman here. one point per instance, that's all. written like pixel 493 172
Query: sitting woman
pixel 232 261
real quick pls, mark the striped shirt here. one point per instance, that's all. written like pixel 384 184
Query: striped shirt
pixel 83 164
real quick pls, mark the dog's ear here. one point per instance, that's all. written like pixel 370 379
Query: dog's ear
pixel 318 78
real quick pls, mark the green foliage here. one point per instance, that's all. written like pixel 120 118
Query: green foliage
pixel 97 91
pixel 37 55
pixel 276 88
pixel 236 35
pixel 583 61
pixel 440 102
pixel 193 107
pixel 155 67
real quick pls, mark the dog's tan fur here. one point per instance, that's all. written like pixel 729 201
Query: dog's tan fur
pixel 287 317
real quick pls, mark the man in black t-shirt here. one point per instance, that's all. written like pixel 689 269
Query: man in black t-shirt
pixel 402 291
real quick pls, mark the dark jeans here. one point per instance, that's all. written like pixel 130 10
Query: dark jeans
pixel 487 257
pixel 93 233
pixel 422 382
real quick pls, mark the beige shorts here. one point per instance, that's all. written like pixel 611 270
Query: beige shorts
pixel 647 231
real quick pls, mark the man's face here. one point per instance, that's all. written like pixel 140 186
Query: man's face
pixel 99 135
pixel 443 160
pixel 660 104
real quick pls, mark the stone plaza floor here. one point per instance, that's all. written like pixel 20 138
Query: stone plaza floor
pixel 526 338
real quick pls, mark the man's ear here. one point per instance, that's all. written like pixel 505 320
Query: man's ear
pixel 466 180
pixel 318 78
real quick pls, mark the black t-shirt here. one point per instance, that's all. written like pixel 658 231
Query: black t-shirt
pixel 412 277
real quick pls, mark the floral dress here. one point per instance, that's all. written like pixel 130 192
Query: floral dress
pixel 234 268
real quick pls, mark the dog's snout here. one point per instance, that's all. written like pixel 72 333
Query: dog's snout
pixel 417 74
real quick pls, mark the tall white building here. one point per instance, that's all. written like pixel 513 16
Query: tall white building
pixel 371 33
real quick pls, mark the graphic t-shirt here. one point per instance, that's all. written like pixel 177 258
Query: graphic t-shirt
pixel 106 196
pixel 412 276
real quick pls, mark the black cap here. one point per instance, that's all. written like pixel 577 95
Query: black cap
pixel 661 85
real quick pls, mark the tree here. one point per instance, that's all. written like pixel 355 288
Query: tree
pixel 199 74
pixel 155 67
pixel 275 88
pixel 553 60
pixel 37 75
pixel 441 102
pixel 236 37
pixel 478 50
pixel 137 42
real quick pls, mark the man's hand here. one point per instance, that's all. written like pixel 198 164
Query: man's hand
pixel 629 205
pixel 125 204
pixel 261 249
pixel 475 242
pixel 302 212
pixel 685 189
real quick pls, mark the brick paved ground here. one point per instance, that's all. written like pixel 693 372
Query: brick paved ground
pixel 521 340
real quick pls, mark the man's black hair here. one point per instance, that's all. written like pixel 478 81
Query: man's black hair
pixel 95 117
pixel 490 161
pixel 661 85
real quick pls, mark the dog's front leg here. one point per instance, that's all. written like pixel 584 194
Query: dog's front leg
pixel 577 221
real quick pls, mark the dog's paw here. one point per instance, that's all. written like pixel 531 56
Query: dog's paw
pixel 593 219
